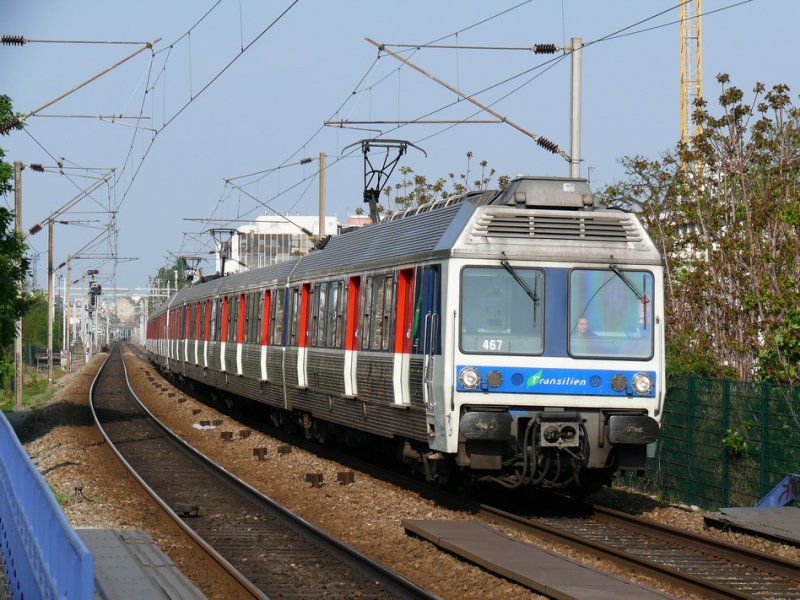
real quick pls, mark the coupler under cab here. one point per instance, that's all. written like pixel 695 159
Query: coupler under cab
pixel 552 448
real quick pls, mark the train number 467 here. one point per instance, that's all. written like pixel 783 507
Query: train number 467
pixel 493 345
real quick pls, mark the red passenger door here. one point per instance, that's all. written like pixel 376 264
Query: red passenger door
pixel 351 337
pixel 404 307
pixel 265 335
pixel 302 336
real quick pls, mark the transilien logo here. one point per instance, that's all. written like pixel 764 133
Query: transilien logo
pixel 534 379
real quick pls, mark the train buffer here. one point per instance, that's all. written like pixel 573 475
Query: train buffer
pixel 525 564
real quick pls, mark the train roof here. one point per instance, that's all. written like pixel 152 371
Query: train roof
pixel 550 219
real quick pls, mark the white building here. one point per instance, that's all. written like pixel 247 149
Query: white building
pixel 271 240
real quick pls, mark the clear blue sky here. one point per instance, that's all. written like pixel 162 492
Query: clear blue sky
pixel 266 109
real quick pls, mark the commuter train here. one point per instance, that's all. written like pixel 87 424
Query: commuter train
pixel 512 336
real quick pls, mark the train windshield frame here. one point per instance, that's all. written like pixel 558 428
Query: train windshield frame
pixel 611 314
pixel 500 315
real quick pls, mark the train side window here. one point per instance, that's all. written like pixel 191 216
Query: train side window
pixel 322 316
pixel 247 300
pixel 277 317
pixel 425 325
pixel 294 316
pixel 334 339
pixel 314 324
pixel 212 311
pixel 233 311
pixel 416 316
pixel 256 306
pixel 388 310
pixel 265 316
pixel 378 306
pixel 326 337
pixel 222 314
pixel 366 320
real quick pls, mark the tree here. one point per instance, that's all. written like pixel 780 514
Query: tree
pixel 13 263
pixel 170 278
pixel 34 325
pixel 724 211
pixel 415 190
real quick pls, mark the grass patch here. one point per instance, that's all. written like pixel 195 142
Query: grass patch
pixel 60 497
pixel 36 392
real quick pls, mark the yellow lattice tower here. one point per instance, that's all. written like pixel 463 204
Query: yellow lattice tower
pixel 691 64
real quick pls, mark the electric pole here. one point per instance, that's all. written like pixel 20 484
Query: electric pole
pixel 575 106
pixel 18 326
pixel 321 194
pixel 50 301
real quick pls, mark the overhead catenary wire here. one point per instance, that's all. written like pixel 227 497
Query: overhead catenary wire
pixel 372 66
pixel 363 78
pixel 356 91
pixel 619 35
pixel 194 96
pixel 540 140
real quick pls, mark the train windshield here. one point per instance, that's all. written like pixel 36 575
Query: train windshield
pixel 610 313
pixel 501 310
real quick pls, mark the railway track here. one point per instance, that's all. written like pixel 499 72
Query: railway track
pixel 698 564
pixel 269 551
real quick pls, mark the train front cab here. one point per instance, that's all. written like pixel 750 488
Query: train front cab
pixel 558 370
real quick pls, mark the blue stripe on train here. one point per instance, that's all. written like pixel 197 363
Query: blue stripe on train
pixel 536 380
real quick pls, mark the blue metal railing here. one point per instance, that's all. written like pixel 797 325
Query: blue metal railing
pixel 43 556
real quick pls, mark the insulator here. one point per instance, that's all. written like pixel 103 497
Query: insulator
pixel 35 229
pixel 13 40
pixel 36 167
pixel 545 48
pixel 548 145
pixel 305 161
pixel 9 125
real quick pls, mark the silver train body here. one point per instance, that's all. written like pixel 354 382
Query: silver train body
pixel 515 337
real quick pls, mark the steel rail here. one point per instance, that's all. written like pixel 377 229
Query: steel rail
pixel 393 581
pixel 246 586
pixel 661 572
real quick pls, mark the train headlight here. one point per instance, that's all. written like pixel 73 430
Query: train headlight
pixel 469 377
pixel 642 383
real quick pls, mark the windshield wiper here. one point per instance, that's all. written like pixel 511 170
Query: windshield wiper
pixel 532 293
pixel 642 298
